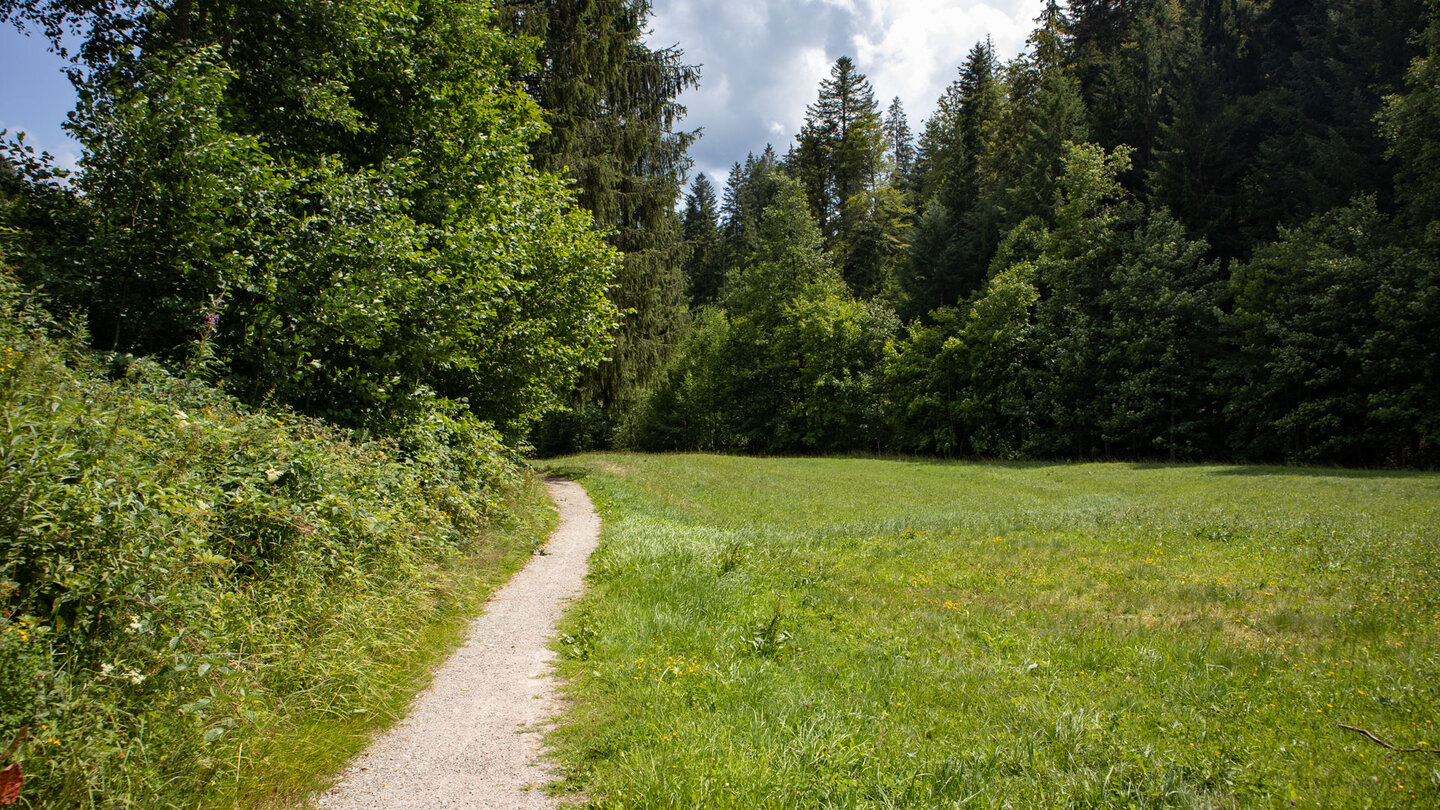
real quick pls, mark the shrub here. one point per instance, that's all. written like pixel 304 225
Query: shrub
pixel 182 577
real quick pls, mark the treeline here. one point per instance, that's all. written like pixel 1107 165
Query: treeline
pixel 1170 229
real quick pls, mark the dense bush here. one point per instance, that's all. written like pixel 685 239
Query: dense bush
pixel 792 362
pixel 182 579
pixel 1094 335
pixel 1327 319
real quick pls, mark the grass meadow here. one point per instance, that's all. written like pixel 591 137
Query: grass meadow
pixel 871 633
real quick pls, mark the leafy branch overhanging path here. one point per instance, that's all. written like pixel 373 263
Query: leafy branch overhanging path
pixel 471 739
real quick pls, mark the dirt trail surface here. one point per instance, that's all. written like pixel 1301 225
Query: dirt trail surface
pixel 471 739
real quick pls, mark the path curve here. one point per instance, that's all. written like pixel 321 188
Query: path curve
pixel 471 739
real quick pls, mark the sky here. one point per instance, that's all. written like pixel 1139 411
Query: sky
pixel 762 61
pixel 761 64
pixel 35 95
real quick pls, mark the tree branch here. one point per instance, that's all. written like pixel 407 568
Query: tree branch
pixel 1384 744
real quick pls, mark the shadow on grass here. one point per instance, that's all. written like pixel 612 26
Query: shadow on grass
pixel 562 472
pixel 568 467
pixel 1318 472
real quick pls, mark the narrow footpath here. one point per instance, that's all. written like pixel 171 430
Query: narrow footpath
pixel 472 739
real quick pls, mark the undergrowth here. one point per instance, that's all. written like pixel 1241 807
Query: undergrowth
pixel 203 604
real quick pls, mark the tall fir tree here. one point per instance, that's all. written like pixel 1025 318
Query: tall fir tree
pixel 1199 159
pixel 933 153
pixel 957 150
pixel 1043 115
pixel 610 102
pixel 956 137
pixel 704 272
pixel 899 144
pixel 841 147
pixel 1410 122
pixel 1324 68
pixel 1126 55
pixel 748 191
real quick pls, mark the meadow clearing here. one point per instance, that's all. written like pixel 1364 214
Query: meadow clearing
pixel 873 633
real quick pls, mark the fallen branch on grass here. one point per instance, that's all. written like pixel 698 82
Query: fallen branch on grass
pixel 1381 742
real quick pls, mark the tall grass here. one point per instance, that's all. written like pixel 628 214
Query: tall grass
pixel 854 633
pixel 207 605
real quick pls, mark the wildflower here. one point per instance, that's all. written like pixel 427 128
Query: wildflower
pixel 272 475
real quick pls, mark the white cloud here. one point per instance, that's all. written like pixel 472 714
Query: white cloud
pixel 809 67
pixel 848 6
pixel 763 60
pixel 911 48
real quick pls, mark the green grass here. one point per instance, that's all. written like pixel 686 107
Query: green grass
pixel 385 654
pixel 863 633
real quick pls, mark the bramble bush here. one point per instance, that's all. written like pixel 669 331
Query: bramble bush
pixel 185 580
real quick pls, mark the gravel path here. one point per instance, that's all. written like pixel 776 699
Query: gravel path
pixel 471 739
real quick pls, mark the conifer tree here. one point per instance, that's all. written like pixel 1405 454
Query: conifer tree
pixel 789 257
pixel 952 262
pixel 1321 74
pixel 926 282
pixel 1411 125
pixel 956 138
pixel 1044 115
pixel 1127 55
pixel 610 102
pixel 1199 160
pixel 841 146
pixel 748 191
pixel 877 247
pixel 703 271
pixel 899 145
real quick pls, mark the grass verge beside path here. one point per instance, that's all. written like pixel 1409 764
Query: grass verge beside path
pixel 864 633
pixel 388 653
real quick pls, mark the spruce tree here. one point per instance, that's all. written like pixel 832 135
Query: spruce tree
pixel 1044 115
pixel 841 146
pixel 703 271
pixel 1127 55
pixel 899 145
pixel 1326 67
pixel 1199 158
pixel 748 191
pixel 950 266
pixel 1411 125
pixel 610 102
